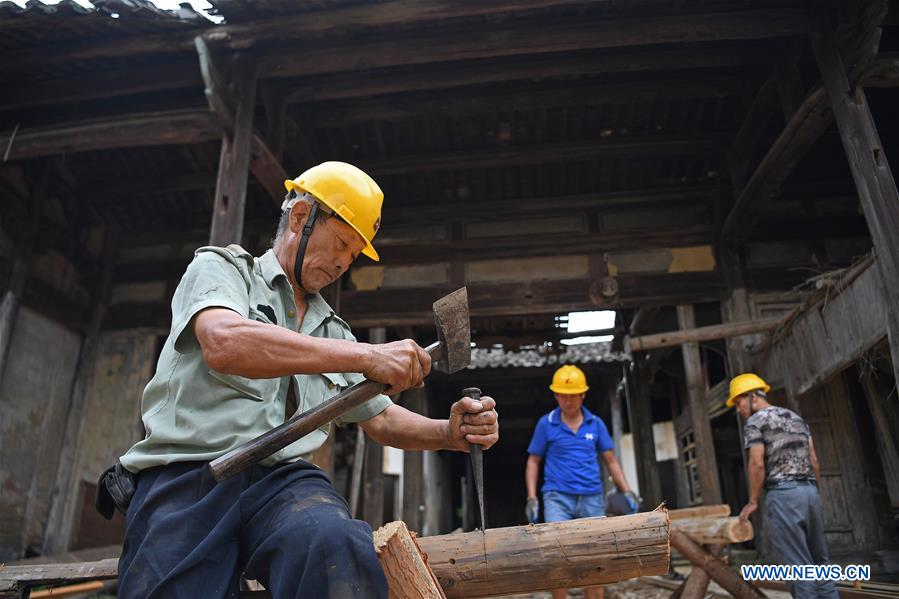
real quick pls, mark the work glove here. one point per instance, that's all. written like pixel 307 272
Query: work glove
pixel 633 502
pixel 532 510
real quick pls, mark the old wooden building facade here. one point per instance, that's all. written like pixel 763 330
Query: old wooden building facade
pixel 686 163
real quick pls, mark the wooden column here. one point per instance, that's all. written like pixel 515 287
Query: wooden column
pixel 702 429
pixel 64 501
pixel 870 169
pixel 639 412
pixel 877 393
pixel 234 161
pixel 373 491
pixel 617 421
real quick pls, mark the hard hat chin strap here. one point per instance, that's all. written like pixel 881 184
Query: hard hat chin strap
pixel 304 241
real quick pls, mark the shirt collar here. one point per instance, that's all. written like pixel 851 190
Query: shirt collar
pixel 271 268
pixel 555 417
pixel 318 310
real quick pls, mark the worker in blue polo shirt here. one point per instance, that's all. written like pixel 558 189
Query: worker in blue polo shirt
pixel 570 439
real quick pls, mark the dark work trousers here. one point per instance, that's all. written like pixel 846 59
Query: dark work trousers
pixel 187 536
pixel 796 527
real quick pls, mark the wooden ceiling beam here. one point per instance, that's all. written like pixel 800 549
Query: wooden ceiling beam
pixel 383 81
pixel 526 39
pixel 171 127
pixel 379 308
pixel 621 147
pixel 341 114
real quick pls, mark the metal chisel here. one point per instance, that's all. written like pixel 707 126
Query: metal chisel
pixel 477 461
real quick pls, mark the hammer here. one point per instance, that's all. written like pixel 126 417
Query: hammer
pixel 450 353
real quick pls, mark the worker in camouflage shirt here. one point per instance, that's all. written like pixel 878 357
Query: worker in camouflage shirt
pixel 782 460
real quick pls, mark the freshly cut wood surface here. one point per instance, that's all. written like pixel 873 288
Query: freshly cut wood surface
pixel 713 531
pixel 406 569
pixel 577 553
pixel 700 511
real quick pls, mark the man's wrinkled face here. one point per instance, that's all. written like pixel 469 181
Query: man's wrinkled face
pixel 332 248
pixel 742 403
pixel 570 403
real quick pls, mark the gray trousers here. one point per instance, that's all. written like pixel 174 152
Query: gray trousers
pixel 796 528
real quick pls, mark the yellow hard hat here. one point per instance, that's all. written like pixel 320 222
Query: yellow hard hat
pixel 743 384
pixel 349 193
pixel 569 380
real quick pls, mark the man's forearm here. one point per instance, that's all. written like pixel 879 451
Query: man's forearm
pixel 618 477
pixel 398 427
pixel 258 350
pixel 531 474
pixel 756 481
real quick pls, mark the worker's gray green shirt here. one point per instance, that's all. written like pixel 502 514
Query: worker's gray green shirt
pixel 192 412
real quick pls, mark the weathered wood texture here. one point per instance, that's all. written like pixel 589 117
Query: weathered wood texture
pixel 234 163
pixel 577 553
pixel 714 567
pixel 695 335
pixel 406 568
pixel 147 129
pixel 16 578
pixel 877 394
pixel 871 171
pixel 715 530
pixel 639 410
pixel 831 334
pixel 702 428
pixel 700 511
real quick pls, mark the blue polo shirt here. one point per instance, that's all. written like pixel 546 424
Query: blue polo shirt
pixel 570 459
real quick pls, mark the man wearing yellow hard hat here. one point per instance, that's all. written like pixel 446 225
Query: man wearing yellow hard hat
pixel 252 343
pixel 570 440
pixel 782 460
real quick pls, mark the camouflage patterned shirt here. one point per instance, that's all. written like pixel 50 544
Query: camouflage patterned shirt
pixel 785 436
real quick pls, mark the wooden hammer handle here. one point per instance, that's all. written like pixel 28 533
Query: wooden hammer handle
pixel 240 458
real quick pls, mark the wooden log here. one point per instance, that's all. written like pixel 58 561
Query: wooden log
pixel 715 530
pixel 695 586
pixel 695 335
pixel 406 568
pixel 700 511
pixel 714 567
pixel 576 553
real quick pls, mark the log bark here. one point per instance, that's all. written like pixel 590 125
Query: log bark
pixel 714 567
pixel 406 568
pixel 700 511
pixel 577 553
pixel 715 531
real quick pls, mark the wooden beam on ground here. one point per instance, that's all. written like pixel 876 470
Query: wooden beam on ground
pixel 405 567
pixel 520 559
pixel 714 567
pixel 699 334
pixel 870 169
pixel 173 127
pixel 707 464
pixel 715 530
pixel 700 511
pixel 234 163
pixel 16 579
pixel 524 39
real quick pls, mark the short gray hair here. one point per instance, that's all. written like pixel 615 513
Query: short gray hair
pixel 305 197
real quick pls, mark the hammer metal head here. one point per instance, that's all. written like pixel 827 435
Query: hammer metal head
pixel 453 331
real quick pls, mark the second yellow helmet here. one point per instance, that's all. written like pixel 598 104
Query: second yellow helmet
pixel 744 383
pixel 569 380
